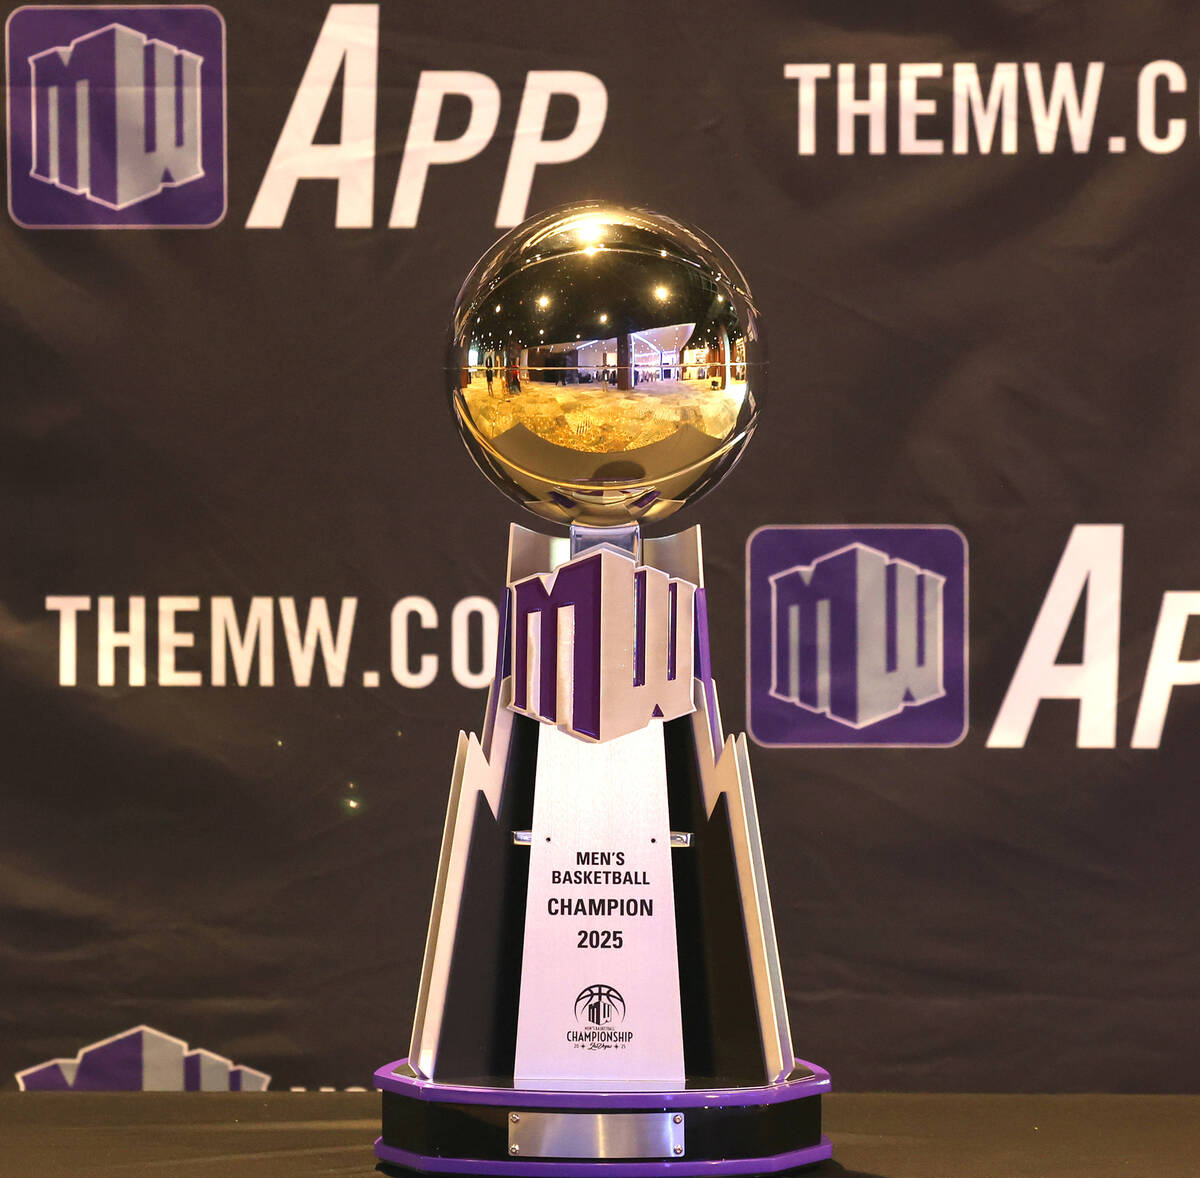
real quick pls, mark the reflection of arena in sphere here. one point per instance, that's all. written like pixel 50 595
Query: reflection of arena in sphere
pixel 605 364
pixel 588 416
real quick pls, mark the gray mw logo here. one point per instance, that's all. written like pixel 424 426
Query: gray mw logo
pixel 116 116
pixel 856 635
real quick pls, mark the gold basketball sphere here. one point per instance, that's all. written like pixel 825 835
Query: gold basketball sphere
pixel 605 364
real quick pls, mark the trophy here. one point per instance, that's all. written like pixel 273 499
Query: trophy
pixel 601 991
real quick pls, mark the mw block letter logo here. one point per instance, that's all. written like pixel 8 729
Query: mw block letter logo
pixel 857 635
pixel 116 117
pixel 142 1060
pixel 600 646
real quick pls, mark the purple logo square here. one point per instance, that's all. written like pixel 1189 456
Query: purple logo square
pixel 116 117
pixel 856 636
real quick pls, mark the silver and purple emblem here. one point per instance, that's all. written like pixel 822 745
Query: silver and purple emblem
pixel 600 647
pixel 142 1059
pixel 856 636
pixel 116 116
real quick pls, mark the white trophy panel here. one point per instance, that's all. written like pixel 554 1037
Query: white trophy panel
pixel 599 1005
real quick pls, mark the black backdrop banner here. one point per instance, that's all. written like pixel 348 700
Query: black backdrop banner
pixel 971 232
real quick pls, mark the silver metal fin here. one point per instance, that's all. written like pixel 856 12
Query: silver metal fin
pixel 475 772
pixel 729 774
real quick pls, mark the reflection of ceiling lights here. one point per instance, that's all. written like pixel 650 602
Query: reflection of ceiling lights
pixel 662 253
pixel 590 231
pixel 497 308
pixel 603 318
pixel 543 301
pixel 661 293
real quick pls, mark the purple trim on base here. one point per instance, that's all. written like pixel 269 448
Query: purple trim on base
pixel 817 1084
pixel 585 1169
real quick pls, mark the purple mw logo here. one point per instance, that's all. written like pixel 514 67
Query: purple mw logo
pixel 856 636
pixel 142 1060
pixel 601 647
pixel 116 117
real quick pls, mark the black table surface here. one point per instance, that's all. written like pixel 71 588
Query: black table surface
pixel 875 1135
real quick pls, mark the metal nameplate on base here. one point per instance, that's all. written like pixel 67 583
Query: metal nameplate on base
pixel 595 1135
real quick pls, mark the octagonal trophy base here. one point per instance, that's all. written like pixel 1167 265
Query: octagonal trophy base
pixel 432 1128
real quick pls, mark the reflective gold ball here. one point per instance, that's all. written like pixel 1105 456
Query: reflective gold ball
pixel 605 364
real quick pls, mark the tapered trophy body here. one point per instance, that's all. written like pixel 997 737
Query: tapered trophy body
pixel 601 991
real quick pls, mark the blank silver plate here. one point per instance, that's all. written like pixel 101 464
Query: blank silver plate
pixel 595 1135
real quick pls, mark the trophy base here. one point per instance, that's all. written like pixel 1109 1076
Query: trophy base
pixel 432 1128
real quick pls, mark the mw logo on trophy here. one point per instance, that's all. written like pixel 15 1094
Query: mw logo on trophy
pixel 601 991
pixel 600 1006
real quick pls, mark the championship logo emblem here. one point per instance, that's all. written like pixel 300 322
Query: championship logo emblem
pixel 116 117
pixel 600 1005
pixel 857 636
